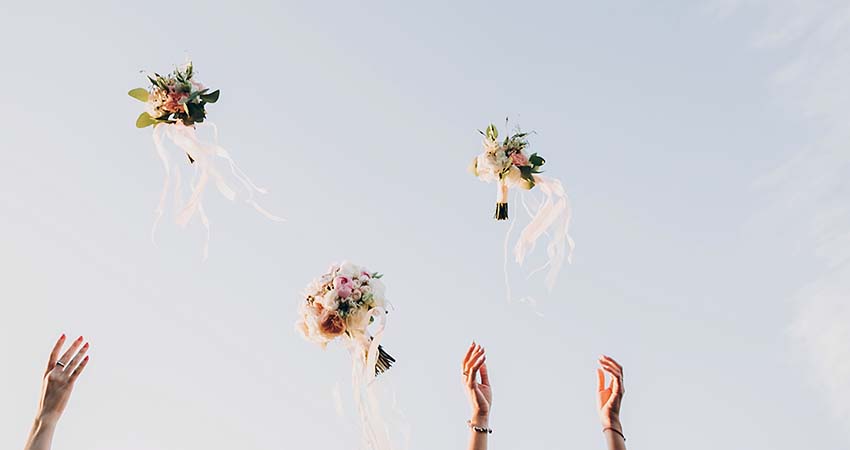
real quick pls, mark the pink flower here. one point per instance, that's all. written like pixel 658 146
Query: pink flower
pixel 519 159
pixel 343 286
pixel 173 102
pixel 356 294
pixel 365 274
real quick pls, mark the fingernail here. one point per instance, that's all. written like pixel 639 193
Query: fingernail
pixel 63 336
pixel 85 359
pixel 86 346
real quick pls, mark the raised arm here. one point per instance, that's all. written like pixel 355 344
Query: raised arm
pixel 480 396
pixel 608 401
pixel 58 382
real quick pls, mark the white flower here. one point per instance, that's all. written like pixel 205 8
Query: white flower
pixel 349 270
pixel 378 292
pixel 329 300
pixel 358 320
pixel 492 163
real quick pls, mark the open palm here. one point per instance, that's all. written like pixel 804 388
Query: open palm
pixel 609 397
pixel 479 391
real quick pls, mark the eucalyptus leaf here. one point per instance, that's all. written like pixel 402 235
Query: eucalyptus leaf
pixel 139 94
pixel 145 120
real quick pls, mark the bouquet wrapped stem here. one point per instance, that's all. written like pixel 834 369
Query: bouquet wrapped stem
pixel 385 361
pixel 501 202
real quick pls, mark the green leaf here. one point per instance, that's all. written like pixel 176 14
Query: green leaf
pixel 527 176
pixel 492 132
pixel 473 168
pixel 192 97
pixel 536 160
pixel 196 112
pixel 212 97
pixel 139 94
pixel 145 120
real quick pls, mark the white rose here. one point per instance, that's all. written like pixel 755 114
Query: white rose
pixel 349 270
pixel 329 301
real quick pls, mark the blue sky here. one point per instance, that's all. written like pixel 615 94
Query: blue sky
pixel 703 145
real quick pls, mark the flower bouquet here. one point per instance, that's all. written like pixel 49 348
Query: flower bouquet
pixel 507 163
pixel 175 105
pixel 343 303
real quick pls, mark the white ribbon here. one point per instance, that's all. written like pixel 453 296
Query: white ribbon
pixel 364 355
pixel 205 156
pixel 551 217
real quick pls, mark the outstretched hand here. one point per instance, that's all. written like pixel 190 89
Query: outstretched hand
pixel 610 397
pixel 59 377
pixel 479 391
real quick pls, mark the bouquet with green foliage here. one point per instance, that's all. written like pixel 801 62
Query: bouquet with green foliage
pixel 176 97
pixel 507 163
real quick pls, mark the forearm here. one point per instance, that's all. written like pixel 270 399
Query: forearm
pixel 478 440
pixel 41 435
pixel 614 439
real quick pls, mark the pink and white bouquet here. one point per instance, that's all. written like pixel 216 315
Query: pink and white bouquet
pixel 343 303
pixel 174 97
pixel 175 106
pixel 507 163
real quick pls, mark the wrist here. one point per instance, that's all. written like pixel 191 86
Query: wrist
pixel 45 419
pixel 480 420
pixel 612 422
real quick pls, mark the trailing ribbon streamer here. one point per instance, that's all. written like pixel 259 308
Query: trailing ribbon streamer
pixel 552 217
pixel 205 157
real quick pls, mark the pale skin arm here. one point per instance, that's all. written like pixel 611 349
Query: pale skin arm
pixel 58 382
pixel 609 399
pixel 479 393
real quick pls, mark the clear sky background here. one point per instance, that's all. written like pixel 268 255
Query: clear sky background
pixel 705 145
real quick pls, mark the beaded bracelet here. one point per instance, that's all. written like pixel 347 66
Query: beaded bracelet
pixel 478 429
pixel 616 431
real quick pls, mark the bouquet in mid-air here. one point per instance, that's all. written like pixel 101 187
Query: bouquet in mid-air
pixel 348 303
pixel 343 303
pixel 175 106
pixel 508 163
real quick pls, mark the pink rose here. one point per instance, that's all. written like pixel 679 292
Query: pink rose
pixel 519 159
pixel 343 286
pixel 365 274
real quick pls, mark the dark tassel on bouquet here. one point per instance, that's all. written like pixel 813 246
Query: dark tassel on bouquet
pixel 501 211
pixel 385 361
pixel 501 202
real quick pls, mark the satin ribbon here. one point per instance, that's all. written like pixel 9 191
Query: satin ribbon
pixel 205 156
pixel 364 354
pixel 552 217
